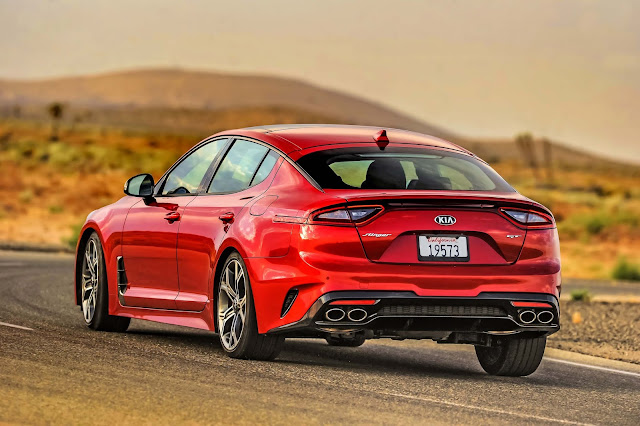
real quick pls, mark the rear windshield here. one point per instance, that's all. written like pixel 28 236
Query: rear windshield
pixel 401 168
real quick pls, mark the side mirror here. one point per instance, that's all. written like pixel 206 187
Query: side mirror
pixel 140 186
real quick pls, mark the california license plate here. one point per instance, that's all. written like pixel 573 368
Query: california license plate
pixel 443 248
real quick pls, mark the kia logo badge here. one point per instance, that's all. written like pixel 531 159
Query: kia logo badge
pixel 445 219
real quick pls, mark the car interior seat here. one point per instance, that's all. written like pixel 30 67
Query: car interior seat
pixel 385 174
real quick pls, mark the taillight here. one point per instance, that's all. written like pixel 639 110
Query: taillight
pixel 334 216
pixel 528 217
pixel 347 215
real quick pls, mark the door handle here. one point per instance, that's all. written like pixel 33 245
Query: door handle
pixel 172 217
pixel 227 217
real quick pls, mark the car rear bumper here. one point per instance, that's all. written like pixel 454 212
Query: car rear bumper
pixel 405 314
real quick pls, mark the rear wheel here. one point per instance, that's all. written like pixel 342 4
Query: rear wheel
pixel 94 291
pixel 351 341
pixel 236 316
pixel 515 356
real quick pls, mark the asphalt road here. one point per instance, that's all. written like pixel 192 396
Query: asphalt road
pixel 58 371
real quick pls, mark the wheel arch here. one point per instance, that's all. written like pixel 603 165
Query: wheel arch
pixel 217 272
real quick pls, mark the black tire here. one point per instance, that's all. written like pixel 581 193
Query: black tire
pixel 515 356
pixel 346 341
pixel 100 320
pixel 250 344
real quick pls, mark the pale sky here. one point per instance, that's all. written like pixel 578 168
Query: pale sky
pixel 569 69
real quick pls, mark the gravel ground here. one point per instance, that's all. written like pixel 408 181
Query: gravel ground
pixel 608 330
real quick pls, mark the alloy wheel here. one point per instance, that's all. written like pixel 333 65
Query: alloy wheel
pixel 232 304
pixel 90 280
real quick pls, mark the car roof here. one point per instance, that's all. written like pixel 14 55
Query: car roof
pixel 303 136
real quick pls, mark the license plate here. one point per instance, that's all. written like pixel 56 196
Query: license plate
pixel 443 248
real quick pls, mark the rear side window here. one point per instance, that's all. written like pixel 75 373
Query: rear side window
pixel 265 168
pixel 240 167
pixel 401 168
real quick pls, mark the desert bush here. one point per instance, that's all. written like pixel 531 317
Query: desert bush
pixel 72 240
pixel 56 209
pixel 25 196
pixel 63 156
pixel 623 270
pixel 581 296
pixel 596 224
pixel 616 220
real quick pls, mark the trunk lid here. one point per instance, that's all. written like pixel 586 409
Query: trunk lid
pixel 393 236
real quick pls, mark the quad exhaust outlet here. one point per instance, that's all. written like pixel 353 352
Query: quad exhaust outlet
pixel 335 314
pixel 545 317
pixel 357 315
pixel 339 314
pixel 527 317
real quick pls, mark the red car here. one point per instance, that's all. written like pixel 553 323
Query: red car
pixel 339 232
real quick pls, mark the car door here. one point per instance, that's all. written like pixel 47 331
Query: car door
pixel 150 232
pixel 237 180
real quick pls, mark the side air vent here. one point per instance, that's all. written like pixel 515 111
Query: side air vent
pixel 122 276
pixel 288 301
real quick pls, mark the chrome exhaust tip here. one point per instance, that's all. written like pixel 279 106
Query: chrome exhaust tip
pixel 357 315
pixel 527 317
pixel 335 314
pixel 545 317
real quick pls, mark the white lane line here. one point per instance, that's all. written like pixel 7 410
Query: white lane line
pixel 6 324
pixel 488 410
pixel 595 367
pixel 452 404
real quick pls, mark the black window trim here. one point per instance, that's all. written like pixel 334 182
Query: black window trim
pixel 264 157
pixel 286 157
pixel 216 163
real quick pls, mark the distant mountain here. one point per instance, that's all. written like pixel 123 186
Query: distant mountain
pixel 561 155
pixel 175 88
pixel 203 103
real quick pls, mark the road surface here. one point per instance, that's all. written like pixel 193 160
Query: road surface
pixel 55 370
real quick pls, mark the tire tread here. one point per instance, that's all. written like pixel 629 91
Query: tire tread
pixel 516 356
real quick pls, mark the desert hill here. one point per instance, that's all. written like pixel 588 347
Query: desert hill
pixel 193 90
pixel 202 103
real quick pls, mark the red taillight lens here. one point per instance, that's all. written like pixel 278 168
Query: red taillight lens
pixel 528 217
pixel 347 215
pixel 354 302
pixel 531 304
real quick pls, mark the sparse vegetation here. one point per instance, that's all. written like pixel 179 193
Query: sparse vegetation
pixel 25 196
pixel 596 205
pixel 626 271
pixel 56 209
pixel 614 222
pixel 72 240
pixel 581 296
